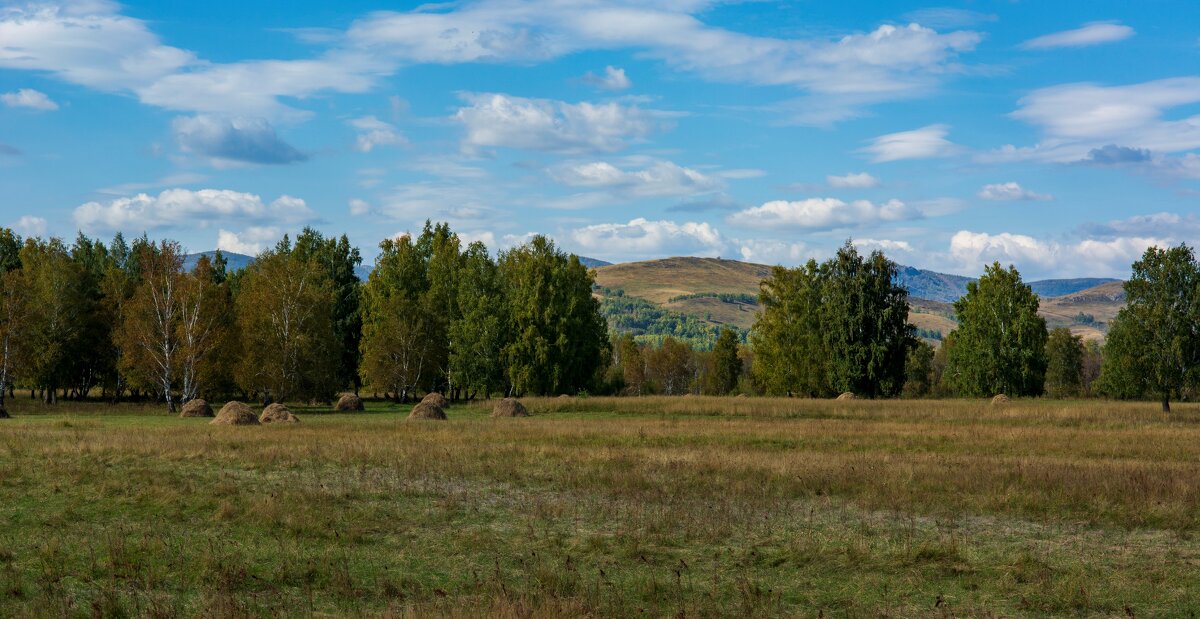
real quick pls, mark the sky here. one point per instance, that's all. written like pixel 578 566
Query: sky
pixel 1059 136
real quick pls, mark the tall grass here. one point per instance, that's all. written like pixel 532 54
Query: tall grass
pixel 607 507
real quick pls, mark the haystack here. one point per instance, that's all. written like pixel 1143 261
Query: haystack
pixel 436 399
pixel 278 413
pixel 847 396
pixel 999 399
pixel 348 402
pixel 742 395
pixel 564 397
pixel 427 410
pixel 509 407
pixel 196 408
pixel 235 414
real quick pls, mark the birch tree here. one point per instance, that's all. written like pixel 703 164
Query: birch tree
pixel 151 321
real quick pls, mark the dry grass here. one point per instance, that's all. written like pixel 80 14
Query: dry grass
pixel 609 507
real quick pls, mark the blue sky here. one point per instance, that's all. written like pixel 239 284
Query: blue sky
pixel 1063 137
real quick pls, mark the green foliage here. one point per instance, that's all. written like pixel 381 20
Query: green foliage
pixel 558 337
pixel 1084 319
pixel 1153 346
pixel 478 334
pixel 840 326
pixel 339 260
pixel 726 365
pixel 728 297
pixel 1064 368
pixel 670 367
pixel 1000 342
pixel 55 290
pixel 650 324
pixel 397 329
pixel 919 370
pixel 285 320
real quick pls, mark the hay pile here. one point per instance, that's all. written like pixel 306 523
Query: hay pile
pixel 847 396
pixel 564 397
pixel 348 402
pixel 742 395
pixel 196 408
pixel 1000 399
pixel 235 414
pixel 427 410
pixel 278 413
pixel 509 407
pixel 436 399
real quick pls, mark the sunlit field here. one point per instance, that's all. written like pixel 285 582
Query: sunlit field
pixel 681 507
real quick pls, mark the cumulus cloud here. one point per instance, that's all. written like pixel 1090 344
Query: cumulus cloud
pixel 1009 192
pixel 658 179
pixel 182 208
pixel 923 143
pixel 852 180
pixel 971 251
pixel 499 120
pixel 642 238
pixel 250 241
pixel 374 132
pixel 359 207
pixel 822 214
pixel 28 98
pixel 770 251
pixel 887 246
pixel 1093 33
pixel 232 141
pixel 31 226
pixel 613 79
pixel 1111 154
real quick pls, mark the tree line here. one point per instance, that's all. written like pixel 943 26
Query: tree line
pixel 842 326
pixel 125 320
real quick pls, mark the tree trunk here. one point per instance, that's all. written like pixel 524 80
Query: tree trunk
pixel 1166 404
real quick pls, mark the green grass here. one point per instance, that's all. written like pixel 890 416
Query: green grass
pixel 606 507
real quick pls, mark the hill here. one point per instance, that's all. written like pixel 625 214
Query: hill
pixel 723 292
pixel 233 261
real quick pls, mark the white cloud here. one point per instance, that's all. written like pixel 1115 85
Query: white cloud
pixel 768 251
pixel 29 98
pixel 971 251
pixel 499 120
pixel 1109 124
pixel 359 207
pixel 613 79
pixel 374 132
pixel 822 214
pixel 1094 33
pixel 924 143
pixel 859 180
pixel 641 238
pixel 31 226
pixel 658 179
pixel 182 208
pixel 250 241
pixel 887 246
pixel 1010 191
pixel 454 202
pixel 226 141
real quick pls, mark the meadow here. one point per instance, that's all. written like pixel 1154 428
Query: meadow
pixel 606 507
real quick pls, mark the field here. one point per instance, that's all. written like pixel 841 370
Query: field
pixel 681 507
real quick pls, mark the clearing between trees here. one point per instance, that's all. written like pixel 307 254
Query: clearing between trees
pixel 656 506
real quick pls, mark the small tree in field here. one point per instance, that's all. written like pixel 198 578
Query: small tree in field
pixel 1153 346
pixel 726 364
pixel 1000 343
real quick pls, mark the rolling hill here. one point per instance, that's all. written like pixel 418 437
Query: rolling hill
pixel 723 292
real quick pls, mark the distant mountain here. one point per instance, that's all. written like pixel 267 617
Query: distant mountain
pixel 946 288
pixel 593 263
pixel 932 285
pixel 233 261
